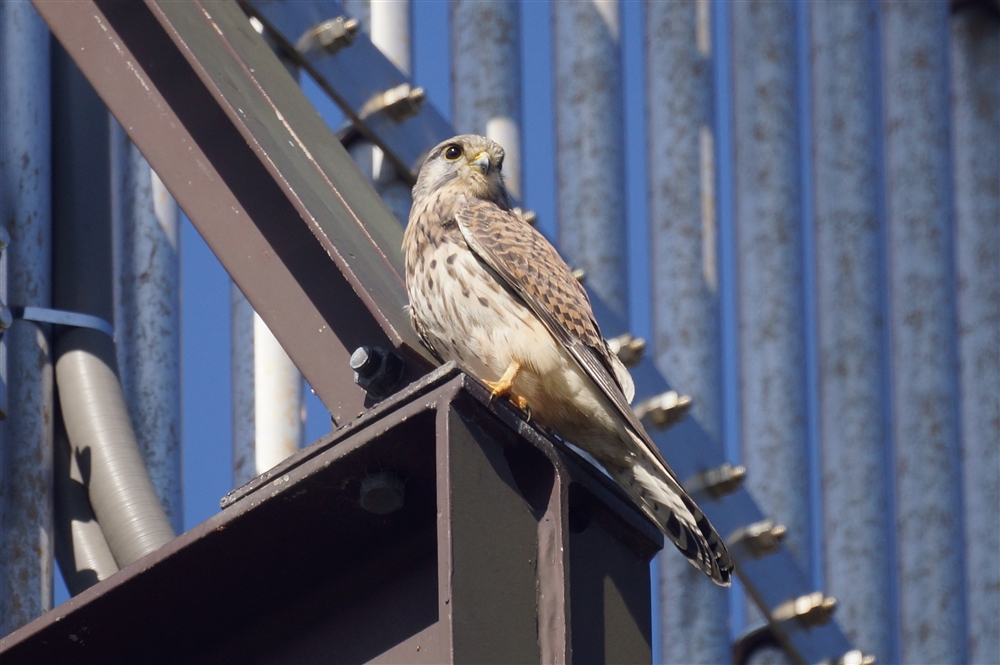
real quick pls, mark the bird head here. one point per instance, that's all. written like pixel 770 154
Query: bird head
pixel 466 165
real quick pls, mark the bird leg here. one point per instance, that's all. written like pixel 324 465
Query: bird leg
pixel 503 387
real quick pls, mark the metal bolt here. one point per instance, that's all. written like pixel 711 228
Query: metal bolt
pixel 330 36
pixel 403 101
pixel 365 362
pixel 718 482
pixel 398 103
pixel 629 349
pixel 376 370
pixel 811 610
pixel 854 657
pixel 6 318
pixel 760 538
pixel 665 409
pixel 381 493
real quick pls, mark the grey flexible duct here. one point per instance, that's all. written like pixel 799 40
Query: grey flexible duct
pixel 81 549
pixel 92 403
pixel 98 425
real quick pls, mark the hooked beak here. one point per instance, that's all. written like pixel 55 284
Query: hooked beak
pixel 481 163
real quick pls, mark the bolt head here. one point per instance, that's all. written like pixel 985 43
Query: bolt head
pixel 363 360
pixel 381 493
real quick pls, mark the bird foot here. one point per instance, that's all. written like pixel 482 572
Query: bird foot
pixel 521 403
pixel 502 387
pixel 505 385
pixel 518 401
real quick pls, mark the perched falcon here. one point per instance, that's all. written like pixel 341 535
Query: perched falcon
pixel 489 291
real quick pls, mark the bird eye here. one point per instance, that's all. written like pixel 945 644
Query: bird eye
pixel 452 152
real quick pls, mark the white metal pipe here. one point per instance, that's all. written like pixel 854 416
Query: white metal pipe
pixel 147 315
pixel 590 145
pixel 975 85
pixel 278 413
pixel 684 287
pixel 486 77
pixel 25 207
pixel 390 30
pixel 268 416
pixel 923 331
pixel 242 377
pixel 771 298
pixel 852 399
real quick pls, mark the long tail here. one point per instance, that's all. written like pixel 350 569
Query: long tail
pixel 666 503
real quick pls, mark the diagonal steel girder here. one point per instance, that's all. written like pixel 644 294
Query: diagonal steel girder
pixel 266 183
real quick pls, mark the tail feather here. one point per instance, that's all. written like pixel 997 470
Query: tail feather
pixel 669 506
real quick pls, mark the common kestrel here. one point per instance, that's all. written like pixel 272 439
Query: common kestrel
pixel 488 290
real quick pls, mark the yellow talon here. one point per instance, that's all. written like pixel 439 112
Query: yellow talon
pixel 502 387
pixel 520 403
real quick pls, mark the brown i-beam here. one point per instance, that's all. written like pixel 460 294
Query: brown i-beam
pixel 504 547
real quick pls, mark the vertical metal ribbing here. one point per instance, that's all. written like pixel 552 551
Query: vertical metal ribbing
pixel 147 315
pixel 852 402
pixel 486 77
pixel 590 146
pixel 681 163
pixel 771 299
pixel 975 85
pixel 26 461
pixel 923 331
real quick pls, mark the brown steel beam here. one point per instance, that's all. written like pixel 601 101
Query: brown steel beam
pixel 506 547
pixel 263 179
